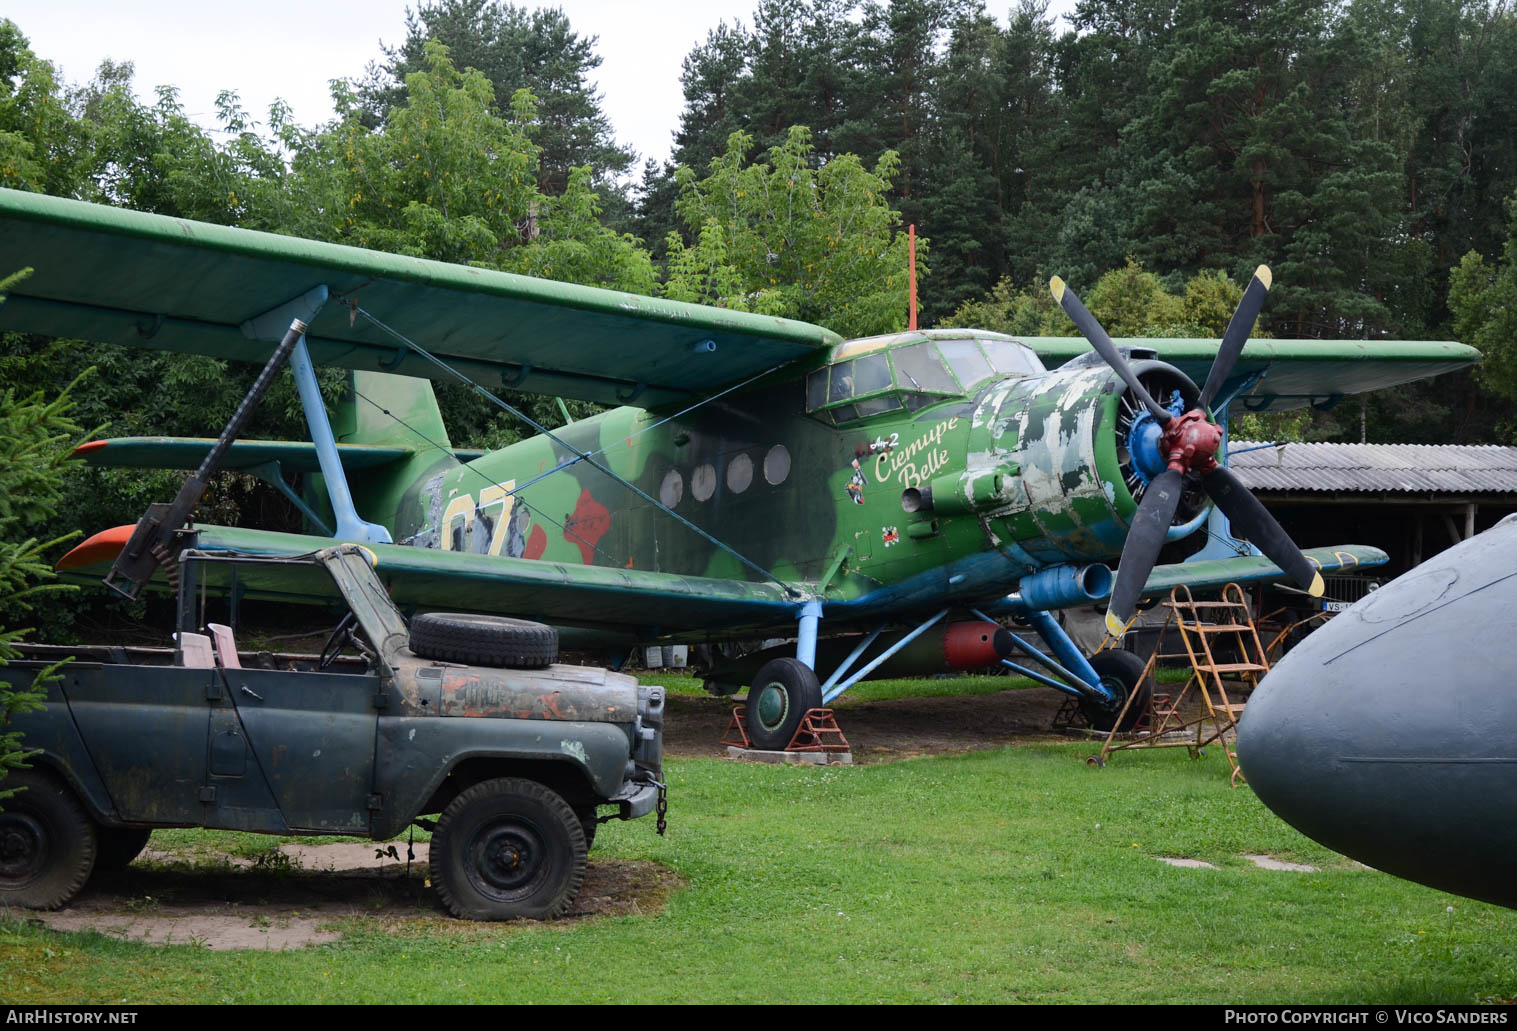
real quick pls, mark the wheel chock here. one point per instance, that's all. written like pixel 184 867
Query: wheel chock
pixel 818 732
pixel 736 734
pixel 817 741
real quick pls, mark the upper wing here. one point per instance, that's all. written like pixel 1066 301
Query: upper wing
pixel 1294 373
pixel 1218 572
pixel 127 277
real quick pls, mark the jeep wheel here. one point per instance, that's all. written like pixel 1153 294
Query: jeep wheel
pixel 484 640
pixel 588 822
pixel 508 849
pixel 47 842
pixel 116 847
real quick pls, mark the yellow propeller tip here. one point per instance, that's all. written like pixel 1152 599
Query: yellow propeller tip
pixel 1263 275
pixel 1317 587
pixel 1114 626
pixel 1057 286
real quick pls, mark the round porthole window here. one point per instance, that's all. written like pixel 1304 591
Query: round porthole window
pixel 739 473
pixel 776 465
pixel 703 482
pixel 672 489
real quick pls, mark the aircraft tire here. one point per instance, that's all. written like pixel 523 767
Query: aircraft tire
pixel 484 640
pixel 508 849
pixel 47 842
pixel 116 847
pixel 783 691
pixel 1120 671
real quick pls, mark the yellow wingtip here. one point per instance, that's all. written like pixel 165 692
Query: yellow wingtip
pixel 1114 626
pixel 1317 586
pixel 1057 286
pixel 1262 273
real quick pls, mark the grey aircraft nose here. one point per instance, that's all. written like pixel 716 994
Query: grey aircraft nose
pixel 1390 734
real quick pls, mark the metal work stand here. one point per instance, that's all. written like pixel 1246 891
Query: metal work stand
pixel 1205 628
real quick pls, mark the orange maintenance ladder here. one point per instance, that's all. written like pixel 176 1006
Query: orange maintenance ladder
pixel 1202 712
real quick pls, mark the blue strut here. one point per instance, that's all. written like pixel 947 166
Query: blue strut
pixel 349 526
pixel 805 642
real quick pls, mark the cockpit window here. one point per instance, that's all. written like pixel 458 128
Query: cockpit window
pixel 816 390
pixel 1012 359
pixel 870 373
pixel 887 374
pixel 876 405
pixel 919 368
pixel 840 386
pixel 967 362
pixel 846 380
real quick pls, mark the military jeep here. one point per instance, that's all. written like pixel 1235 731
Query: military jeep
pixel 464 716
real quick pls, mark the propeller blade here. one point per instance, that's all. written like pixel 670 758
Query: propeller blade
pixel 1255 522
pixel 1141 551
pixel 1086 323
pixel 1237 334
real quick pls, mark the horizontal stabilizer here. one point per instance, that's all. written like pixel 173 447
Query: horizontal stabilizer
pixel 647 603
pixel 188 452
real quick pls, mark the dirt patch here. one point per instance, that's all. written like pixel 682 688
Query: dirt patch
pixel 229 903
pixel 882 731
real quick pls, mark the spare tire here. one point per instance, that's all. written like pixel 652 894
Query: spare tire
pixel 484 640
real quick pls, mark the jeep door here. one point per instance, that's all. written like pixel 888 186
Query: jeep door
pixel 312 735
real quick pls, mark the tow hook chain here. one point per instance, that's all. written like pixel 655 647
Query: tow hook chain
pixel 663 807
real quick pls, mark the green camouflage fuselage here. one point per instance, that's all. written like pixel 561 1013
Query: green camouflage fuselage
pixel 1023 472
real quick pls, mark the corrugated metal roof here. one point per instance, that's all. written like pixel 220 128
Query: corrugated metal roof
pixel 1376 468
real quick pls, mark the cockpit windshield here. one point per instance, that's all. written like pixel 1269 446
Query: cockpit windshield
pixel 911 371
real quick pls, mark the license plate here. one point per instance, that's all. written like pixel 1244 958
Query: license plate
pixel 1335 606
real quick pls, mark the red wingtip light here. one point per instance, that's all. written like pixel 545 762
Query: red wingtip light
pixel 92 445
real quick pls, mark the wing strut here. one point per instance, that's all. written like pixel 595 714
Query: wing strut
pixel 587 456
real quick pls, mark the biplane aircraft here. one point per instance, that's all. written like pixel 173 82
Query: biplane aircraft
pixel 758 477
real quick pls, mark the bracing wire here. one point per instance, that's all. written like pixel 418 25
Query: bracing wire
pixel 586 456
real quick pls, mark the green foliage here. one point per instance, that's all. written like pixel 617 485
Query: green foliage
pixel 445 177
pixel 1130 302
pixel 1483 296
pixel 514 49
pixel 36 440
pixel 1026 312
pixel 786 238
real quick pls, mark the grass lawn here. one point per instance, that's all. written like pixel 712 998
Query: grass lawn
pixel 1018 874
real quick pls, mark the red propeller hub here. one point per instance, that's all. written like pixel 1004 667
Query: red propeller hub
pixel 1192 442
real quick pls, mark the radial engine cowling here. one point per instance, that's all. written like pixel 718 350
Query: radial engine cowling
pixel 1068 492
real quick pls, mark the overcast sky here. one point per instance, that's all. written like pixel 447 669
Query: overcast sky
pixel 292 48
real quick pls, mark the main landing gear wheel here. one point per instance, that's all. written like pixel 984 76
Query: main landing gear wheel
pixel 1120 672
pixel 508 849
pixel 783 691
pixel 47 842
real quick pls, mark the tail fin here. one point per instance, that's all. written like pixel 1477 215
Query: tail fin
pixel 393 411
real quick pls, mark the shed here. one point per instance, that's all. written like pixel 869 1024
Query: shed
pixel 1411 500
